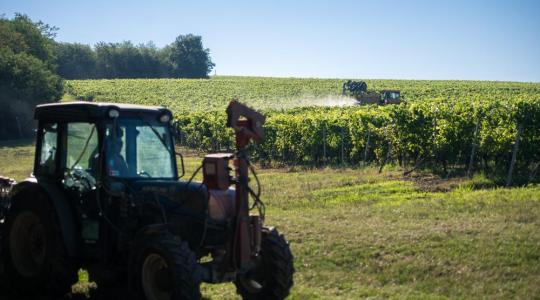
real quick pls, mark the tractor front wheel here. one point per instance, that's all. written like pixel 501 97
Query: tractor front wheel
pixel 272 277
pixel 164 269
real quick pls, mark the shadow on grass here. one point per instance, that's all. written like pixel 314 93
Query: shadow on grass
pixel 17 143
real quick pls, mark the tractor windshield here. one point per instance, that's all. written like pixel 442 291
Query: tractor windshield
pixel 139 148
pixel 392 95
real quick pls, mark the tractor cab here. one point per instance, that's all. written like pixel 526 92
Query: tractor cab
pixel 390 97
pixel 84 143
pixel 98 156
pixel 359 91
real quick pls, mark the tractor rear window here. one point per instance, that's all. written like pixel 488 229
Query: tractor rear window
pixel 47 157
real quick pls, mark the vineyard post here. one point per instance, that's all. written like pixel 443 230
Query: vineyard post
pixel 366 148
pixel 387 156
pixel 456 163
pixel 283 153
pixel 514 155
pixel 183 139
pixel 434 136
pixel 178 135
pixel 324 141
pixel 473 150
pixel 533 172
pixel 342 146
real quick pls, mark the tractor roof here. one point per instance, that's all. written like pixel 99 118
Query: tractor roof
pixel 91 111
pixel 390 91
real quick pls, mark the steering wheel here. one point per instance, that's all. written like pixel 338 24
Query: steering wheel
pixel 80 179
pixel 144 173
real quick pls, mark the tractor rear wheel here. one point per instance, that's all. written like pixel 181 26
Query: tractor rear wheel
pixel 33 251
pixel 272 277
pixel 164 268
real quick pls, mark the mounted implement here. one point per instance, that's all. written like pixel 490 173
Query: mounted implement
pixel 359 91
pixel 106 196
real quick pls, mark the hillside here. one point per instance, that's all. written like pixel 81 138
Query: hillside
pixel 189 95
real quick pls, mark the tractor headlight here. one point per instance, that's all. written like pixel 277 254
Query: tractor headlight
pixel 114 113
pixel 165 118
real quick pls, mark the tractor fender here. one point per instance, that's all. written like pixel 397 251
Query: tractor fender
pixel 64 212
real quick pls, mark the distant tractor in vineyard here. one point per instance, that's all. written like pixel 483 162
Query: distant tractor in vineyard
pixel 359 91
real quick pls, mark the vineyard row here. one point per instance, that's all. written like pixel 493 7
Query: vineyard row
pixel 475 134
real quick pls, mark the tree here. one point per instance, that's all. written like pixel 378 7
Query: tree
pixel 34 38
pixel 76 61
pixel 124 60
pixel 27 73
pixel 106 60
pixel 127 60
pixel 154 63
pixel 188 57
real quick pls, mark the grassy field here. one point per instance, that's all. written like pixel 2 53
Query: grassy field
pixel 359 234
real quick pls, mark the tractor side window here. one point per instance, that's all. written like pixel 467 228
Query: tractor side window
pixel 47 157
pixel 82 146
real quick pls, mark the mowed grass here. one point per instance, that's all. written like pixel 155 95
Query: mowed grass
pixel 359 234
pixel 16 158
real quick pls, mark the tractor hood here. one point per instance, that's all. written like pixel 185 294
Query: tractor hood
pixel 189 207
pixel 173 195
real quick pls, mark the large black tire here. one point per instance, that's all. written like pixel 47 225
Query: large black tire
pixel 162 266
pixel 33 251
pixel 272 278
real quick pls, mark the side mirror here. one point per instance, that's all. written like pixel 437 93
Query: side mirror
pixel 182 163
pixel 177 134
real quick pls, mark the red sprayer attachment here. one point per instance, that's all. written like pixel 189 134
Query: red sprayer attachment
pixel 216 171
pixel 247 124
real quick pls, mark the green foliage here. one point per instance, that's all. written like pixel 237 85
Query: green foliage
pixel 263 93
pixel 189 58
pixel 76 61
pixel 434 128
pixel 27 73
pixel 185 57
pixel 22 35
pixel 125 60
pixel 436 132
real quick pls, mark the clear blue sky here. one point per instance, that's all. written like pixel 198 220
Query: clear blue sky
pixel 484 40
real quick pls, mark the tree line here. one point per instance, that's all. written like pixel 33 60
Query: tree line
pixel 27 73
pixel 184 58
pixel 33 65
